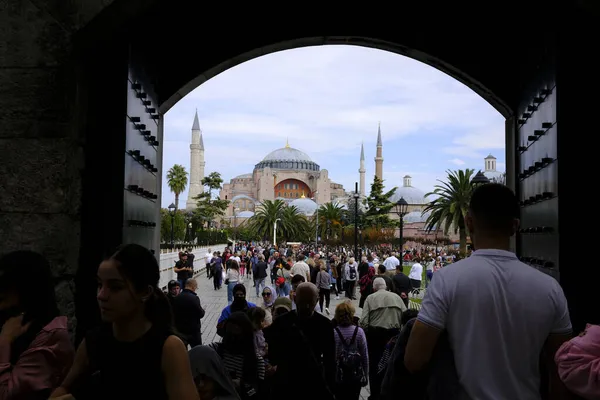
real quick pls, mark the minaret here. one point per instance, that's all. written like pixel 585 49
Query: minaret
pixel 362 170
pixel 379 155
pixel 196 164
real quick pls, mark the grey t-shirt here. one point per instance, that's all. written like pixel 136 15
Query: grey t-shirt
pixel 498 313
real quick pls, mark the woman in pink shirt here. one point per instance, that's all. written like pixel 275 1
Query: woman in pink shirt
pixel 35 350
pixel 578 362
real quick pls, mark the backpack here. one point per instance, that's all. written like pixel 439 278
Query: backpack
pixel 349 363
pixel 352 272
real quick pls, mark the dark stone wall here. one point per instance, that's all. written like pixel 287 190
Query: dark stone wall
pixel 41 154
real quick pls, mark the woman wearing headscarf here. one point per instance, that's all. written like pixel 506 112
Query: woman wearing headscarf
pixel 239 304
pixel 210 376
pixel 269 295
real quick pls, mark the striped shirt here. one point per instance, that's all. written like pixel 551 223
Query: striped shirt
pixel 234 363
pixel 360 342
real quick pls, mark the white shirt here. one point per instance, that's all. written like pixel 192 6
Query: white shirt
pixel 416 272
pixel 430 265
pixel 391 263
pixel 301 268
pixel 498 313
pixel 236 259
pixel 208 257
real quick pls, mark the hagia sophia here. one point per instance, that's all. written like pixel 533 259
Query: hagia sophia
pixel 291 175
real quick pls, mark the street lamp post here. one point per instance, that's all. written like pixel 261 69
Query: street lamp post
pixel 401 208
pixel 356 197
pixel 172 213
pixel 314 198
pixel 275 232
pixel 235 213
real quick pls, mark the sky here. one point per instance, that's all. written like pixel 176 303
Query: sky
pixel 326 101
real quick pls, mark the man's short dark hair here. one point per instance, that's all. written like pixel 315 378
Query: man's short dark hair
pixel 298 279
pixel 494 207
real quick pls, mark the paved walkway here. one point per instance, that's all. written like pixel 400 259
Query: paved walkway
pixel 213 302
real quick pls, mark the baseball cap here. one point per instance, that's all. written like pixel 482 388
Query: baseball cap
pixel 283 302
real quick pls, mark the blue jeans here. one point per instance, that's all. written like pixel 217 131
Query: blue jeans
pixel 284 290
pixel 260 285
pixel 429 276
pixel 230 287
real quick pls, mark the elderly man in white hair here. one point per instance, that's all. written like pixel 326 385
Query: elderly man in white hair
pixel 302 346
pixel 381 319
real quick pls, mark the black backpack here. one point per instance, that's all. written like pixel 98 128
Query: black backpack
pixel 349 363
pixel 352 272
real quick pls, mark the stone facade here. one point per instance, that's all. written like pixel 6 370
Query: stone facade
pixel 287 174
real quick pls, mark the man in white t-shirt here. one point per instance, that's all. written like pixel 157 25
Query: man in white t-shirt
pixel 500 314
pixel 301 268
pixel 391 262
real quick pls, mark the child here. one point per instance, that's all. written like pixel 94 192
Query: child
pixel 257 316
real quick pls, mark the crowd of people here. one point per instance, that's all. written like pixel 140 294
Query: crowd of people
pixel 483 324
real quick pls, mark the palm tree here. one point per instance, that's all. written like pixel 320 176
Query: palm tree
pixel 330 219
pixel 264 218
pixel 450 207
pixel 177 181
pixel 291 225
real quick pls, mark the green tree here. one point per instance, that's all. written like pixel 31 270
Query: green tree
pixel 330 220
pixel 179 225
pixel 177 181
pixel 379 206
pixel 449 209
pixel 207 208
pixel 292 226
pixel 213 182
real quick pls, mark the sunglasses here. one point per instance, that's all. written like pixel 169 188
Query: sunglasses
pixel 266 294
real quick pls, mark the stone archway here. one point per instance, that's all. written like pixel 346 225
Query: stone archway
pixel 291 188
pixel 66 110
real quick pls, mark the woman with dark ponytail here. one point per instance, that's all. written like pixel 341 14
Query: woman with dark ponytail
pixel 134 354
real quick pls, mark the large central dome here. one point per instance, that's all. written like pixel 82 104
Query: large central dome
pixel 287 154
pixel 288 158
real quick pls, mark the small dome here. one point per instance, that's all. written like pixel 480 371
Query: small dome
pixel 305 206
pixel 245 214
pixel 493 175
pixel 243 176
pixel 411 194
pixel 416 217
pixel 287 154
pixel 345 200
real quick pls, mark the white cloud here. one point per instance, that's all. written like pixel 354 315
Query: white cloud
pixel 457 161
pixel 326 101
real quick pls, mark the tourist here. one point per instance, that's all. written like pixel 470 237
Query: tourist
pixel 35 349
pixel 188 312
pixel 302 347
pixel 134 354
pixel 210 376
pixel 381 318
pixel 474 300
pixel 350 338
